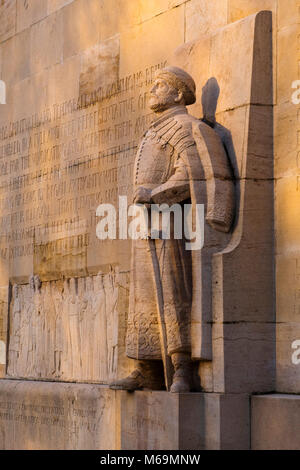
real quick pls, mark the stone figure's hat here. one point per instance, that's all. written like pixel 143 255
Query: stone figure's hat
pixel 180 80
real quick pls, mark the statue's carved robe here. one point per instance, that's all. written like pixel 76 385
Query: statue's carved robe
pixel 168 163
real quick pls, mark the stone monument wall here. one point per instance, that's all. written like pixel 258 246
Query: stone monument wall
pixel 77 75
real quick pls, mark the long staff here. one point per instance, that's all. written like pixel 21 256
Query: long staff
pixel 161 318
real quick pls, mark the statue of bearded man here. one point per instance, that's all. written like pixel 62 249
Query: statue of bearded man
pixel 181 160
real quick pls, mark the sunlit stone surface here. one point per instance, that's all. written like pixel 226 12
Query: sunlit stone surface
pixel 77 76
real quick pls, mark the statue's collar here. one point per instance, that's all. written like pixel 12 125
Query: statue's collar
pixel 169 113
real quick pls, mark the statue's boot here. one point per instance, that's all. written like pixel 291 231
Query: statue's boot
pixel 183 373
pixel 146 375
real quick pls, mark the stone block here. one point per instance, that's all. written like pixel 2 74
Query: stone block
pixel 288 357
pixel 100 65
pixel 8 19
pixel 238 9
pixel 4 298
pixel 244 357
pixel 54 5
pixel 286 142
pixel 202 421
pixel 252 152
pixel 243 274
pixel 148 10
pixel 19 68
pixel 147 37
pixel 288 16
pixel 81 26
pixel 254 73
pixel 275 422
pixel 287 210
pixel 64 81
pixel 129 13
pixel 29 13
pixel 45 416
pixel 254 300
pixel 288 299
pixel 203 18
pixel 287 62
pixel 14 94
pixel 36 95
pixel 260 143
pixel 234 119
pixel 47 35
pixel 253 56
pixel 206 373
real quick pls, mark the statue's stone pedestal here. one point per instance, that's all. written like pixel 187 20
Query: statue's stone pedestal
pixel 275 422
pixel 161 420
pixel 42 415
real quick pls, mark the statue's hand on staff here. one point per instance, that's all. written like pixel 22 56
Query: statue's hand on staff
pixel 142 195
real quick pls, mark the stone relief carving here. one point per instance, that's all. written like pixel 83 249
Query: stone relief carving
pixel 180 160
pixel 65 330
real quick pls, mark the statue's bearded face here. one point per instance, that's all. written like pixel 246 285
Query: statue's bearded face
pixel 162 96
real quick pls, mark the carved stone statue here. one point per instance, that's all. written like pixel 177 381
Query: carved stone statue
pixel 181 160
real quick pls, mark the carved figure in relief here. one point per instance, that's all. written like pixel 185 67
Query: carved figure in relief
pixel 65 330
pixel 100 331
pixel 82 305
pixel 88 322
pixel 111 293
pixel 181 160
pixel 30 329
pixel 50 329
pixel 71 306
pixel 60 333
pixel 39 314
pixel 15 333
pixel 24 341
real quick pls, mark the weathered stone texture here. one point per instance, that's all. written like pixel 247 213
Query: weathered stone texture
pixel 287 16
pixel 40 416
pixel 18 47
pixel 287 63
pixel 81 26
pixel 30 12
pixel 203 18
pixel 139 42
pixel 52 52
pixel 8 19
pixel 47 35
pixel 287 367
pixel 238 9
pixel 87 64
pixel 67 331
pixel 207 421
pixel 54 5
pixel 275 422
